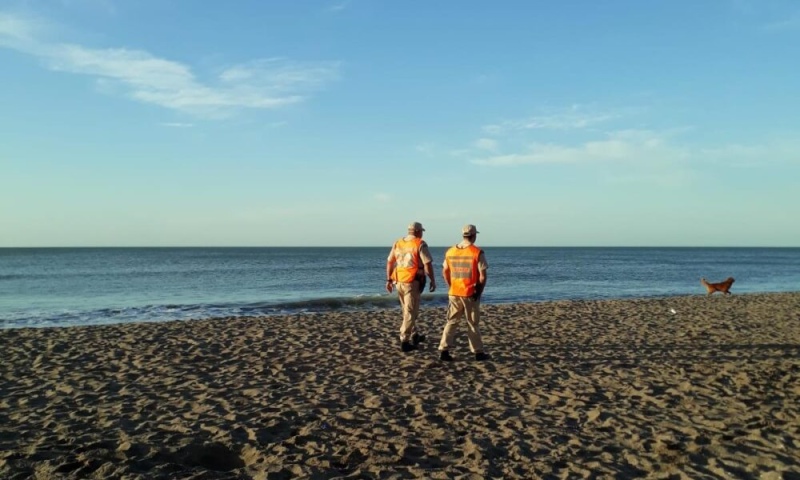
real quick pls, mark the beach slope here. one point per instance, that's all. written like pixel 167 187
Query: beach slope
pixel 682 387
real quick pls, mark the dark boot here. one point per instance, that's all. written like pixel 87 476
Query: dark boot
pixel 407 347
pixel 416 339
pixel 445 356
pixel 480 356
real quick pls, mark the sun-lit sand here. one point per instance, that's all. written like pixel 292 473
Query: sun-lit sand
pixel 592 389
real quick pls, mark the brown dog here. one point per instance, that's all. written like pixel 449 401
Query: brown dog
pixel 723 286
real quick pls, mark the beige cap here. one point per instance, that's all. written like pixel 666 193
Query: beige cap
pixel 415 227
pixel 469 230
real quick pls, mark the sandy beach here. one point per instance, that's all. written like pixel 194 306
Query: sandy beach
pixel 684 387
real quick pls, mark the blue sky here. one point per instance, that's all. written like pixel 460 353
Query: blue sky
pixel 186 123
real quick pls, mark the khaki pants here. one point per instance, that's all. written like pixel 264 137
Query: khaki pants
pixel 469 308
pixel 409 295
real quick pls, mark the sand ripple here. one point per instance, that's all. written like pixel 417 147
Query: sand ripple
pixel 605 389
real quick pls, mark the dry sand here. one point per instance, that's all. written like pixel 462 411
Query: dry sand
pixel 587 389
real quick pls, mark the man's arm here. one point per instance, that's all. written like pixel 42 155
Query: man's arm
pixel 480 285
pixel 482 267
pixel 446 274
pixel 390 265
pixel 389 269
pixel 427 264
pixel 431 276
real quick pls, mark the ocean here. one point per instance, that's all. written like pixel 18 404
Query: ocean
pixel 51 287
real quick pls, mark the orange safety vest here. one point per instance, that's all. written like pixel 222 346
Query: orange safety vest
pixel 463 266
pixel 406 256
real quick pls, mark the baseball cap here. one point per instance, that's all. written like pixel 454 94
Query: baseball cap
pixel 468 230
pixel 415 227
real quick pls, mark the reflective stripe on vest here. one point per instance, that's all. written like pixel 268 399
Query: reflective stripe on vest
pixel 463 265
pixel 406 256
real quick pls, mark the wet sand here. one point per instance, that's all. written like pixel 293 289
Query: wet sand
pixel 580 389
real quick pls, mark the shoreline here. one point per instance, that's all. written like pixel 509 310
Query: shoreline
pixel 326 306
pixel 574 388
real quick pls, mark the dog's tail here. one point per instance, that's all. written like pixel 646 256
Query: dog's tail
pixel 706 285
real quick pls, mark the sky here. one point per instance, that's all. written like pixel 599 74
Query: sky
pixel 337 123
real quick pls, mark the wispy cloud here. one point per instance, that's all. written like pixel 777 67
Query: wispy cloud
pixel 651 147
pixel 176 125
pixel 383 197
pixel 486 144
pixel 617 146
pixel 426 149
pixel 741 155
pixel 142 76
pixel 743 6
pixel 765 13
pixel 575 118
pixel 17 31
pixel 339 6
pixel 103 5
pixel 792 22
pixel 484 79
pixel 676 178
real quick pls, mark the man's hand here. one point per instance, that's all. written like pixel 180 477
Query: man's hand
pixel 432 287
pixel 478 291
pixel 389 286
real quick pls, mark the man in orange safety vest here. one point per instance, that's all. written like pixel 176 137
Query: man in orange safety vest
pixel 464 270
pixel 408 263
